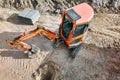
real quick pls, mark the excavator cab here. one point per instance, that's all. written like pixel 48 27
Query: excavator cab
pixel 74 25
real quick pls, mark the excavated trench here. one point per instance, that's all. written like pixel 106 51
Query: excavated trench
pixel 46 71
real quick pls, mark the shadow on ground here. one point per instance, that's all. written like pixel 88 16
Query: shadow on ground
pixel 13 54
pixel 16 20
pixel 7 51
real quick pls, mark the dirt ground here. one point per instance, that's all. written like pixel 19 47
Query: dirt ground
pixel 98 59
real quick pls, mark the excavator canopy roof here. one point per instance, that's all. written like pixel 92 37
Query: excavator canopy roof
pixel 82 13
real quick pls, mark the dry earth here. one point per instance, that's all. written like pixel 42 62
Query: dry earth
pixel 98 59
pixel 57 6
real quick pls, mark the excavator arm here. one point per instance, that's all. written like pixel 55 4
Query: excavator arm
pixel 18 41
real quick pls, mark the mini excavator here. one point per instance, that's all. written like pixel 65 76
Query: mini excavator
pixel 72 31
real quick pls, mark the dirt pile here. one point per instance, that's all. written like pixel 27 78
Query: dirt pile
pixel 57 6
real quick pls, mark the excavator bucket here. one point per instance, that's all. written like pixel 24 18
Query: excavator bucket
pixel 33 52
pixel 29 16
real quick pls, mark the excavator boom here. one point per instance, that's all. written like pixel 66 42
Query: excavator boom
pixel 18 41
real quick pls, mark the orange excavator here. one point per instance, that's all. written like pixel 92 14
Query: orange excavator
pixel 72 31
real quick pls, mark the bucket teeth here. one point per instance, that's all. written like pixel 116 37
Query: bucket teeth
pixel 33 52
pixel 34 49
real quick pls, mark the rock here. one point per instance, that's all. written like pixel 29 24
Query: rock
pixel 57 6
pixel 4 17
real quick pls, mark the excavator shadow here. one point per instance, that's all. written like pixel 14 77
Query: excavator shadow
pixel 7 51
pixel 15 19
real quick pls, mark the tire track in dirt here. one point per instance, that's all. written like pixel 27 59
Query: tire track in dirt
pixel 104 30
